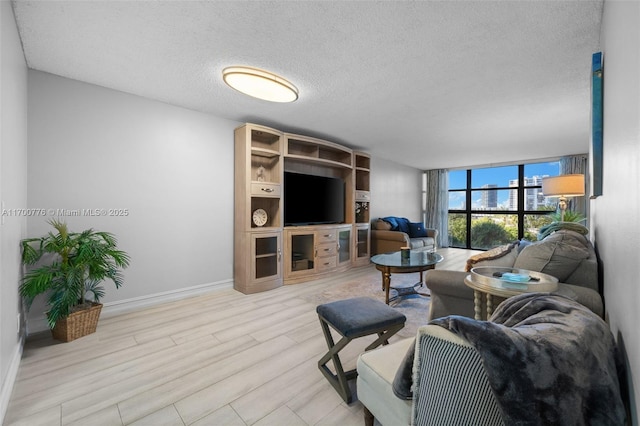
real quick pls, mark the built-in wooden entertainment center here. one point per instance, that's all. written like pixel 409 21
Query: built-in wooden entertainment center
pixel 268 254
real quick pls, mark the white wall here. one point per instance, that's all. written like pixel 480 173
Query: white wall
pixel 396 190
pixel 616 214
pixel 13 193
pixel 169 167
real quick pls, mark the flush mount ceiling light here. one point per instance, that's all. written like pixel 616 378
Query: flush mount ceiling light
pixel 260 84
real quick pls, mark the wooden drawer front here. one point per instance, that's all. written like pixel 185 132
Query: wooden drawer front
pixel 326 249
pixel 326 236
pixel 324 263
pixel 262 189
pixel 363 196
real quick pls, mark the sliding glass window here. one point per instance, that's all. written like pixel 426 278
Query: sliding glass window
pixel 492 206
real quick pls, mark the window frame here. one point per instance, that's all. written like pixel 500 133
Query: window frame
pixel 469 211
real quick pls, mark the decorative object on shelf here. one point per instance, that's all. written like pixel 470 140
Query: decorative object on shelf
pixel 260 174
pixel 563 186
pixel 361 209
pixel 260 217
pixel 260 84
pixel 82 262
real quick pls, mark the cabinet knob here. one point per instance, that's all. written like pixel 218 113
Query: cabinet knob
pixel 266 189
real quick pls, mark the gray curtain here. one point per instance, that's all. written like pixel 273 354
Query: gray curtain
pixel 436 204
pixel 577 164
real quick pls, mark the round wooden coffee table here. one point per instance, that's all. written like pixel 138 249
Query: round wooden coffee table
pixel 419 261
pixel 488 281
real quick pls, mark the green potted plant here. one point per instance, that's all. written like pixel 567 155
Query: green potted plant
pixel 76 265
pixel 569 216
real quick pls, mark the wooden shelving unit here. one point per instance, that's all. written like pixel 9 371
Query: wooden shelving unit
pixel 271 255
pixel 258 185
pixel 317 151
pixel 362 180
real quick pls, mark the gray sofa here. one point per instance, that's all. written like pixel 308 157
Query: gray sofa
pixel 387 238
pixel 566 255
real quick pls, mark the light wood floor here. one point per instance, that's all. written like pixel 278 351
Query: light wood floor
pixel 224 358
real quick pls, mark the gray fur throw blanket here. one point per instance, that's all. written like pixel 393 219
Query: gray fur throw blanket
pixel 549 361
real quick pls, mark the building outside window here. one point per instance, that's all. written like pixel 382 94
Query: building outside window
pixel 489 196
pixel 497 205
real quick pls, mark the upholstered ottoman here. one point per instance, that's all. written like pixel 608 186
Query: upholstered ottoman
pixel 353 318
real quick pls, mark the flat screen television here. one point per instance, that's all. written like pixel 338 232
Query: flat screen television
pixel 312 200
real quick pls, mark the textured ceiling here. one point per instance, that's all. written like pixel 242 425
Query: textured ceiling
pixel 429 84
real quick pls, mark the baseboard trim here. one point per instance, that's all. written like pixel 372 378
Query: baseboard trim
pixel 10 379
pixel 128 305
pixel 110 309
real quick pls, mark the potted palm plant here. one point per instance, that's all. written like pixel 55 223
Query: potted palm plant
pixel 569 216
pixel 76 264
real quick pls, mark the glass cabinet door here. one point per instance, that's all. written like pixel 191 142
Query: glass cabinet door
pixel 362 242
pixel 302 251
pixel 267 254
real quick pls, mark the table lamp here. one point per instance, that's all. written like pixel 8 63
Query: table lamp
pixel 563 186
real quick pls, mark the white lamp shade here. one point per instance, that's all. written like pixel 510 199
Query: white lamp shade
pixel 563 185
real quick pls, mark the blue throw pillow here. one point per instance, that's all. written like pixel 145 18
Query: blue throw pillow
pixel 392 221
pixel 417 230
pixel 522 244
pixel 403 224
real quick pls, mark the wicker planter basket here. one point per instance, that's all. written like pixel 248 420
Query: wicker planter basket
pixel 77 324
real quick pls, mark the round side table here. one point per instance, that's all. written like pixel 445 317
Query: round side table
pixel 487 282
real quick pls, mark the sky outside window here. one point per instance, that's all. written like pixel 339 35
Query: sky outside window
pixel 542 169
